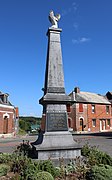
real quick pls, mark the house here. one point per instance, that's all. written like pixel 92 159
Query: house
pixel 90 112
pixel 8 116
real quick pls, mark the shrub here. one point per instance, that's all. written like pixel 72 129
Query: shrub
pixel 101 172
pixel 85 151
pixel 4 169
pixel 94 156
pixel 48 166
pixel 44 176
pixel 25 167
pixel 5 158
pixel 20 164
pixel 25 149
pixel 31 171
pixel 71 167
pixel 28 169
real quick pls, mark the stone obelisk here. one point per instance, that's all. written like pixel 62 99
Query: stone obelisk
pixel 58 141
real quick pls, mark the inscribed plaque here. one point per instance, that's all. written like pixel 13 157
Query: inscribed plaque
pixel 56 121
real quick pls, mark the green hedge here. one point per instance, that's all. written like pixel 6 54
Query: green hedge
pixel 4 169
pixel 95 156
pixel 101 172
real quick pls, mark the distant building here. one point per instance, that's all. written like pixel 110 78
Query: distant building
pixel 8 116
pixel 90 113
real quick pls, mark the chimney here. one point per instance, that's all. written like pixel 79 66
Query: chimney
pixel 77 90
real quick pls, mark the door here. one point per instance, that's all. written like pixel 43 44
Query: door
pixel 5 125
pixel 81 125
pixel 102 124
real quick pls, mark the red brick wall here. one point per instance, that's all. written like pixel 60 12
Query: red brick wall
pixel 17 112
pixel 87 116
pixel 81 115
pixel 1 123
pixel 100 113
pixel 76 115
pixel 72 115
pixel 10 113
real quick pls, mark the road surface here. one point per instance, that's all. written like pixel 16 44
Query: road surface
pixel 102 140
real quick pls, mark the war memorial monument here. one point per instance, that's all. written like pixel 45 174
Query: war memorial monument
pixel 57 141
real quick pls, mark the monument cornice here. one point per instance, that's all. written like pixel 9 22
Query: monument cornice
pixel 54 30
pixel 51 98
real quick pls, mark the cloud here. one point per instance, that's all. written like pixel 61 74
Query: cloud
pixel 80 40
pixel 84 39
pixel 75 25
pixel 72 8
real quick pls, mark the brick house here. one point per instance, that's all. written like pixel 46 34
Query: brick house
pixel 8 116
pixel 90 112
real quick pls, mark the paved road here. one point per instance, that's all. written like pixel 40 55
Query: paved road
pixel 102 140
pixel 8 145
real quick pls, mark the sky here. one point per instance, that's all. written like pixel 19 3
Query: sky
pixel 86 41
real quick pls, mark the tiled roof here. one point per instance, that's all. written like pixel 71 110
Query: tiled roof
pixel 91 98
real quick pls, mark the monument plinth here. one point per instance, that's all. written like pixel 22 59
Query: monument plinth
pixel 57 141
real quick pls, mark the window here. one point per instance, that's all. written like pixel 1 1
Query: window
pixel 80 107
pixel 2 98
pixel 108 122
pixel 93 108
pixel 94 122
pixel 5 99
pixel 5 117
pixel 68 107
pixel 107 109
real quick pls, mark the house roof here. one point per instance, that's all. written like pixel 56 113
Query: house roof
pixel 91 98
pixel 1 99
pixel 109 92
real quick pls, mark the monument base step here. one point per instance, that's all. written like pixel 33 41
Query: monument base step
pixel 57 145
pixel 58 154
